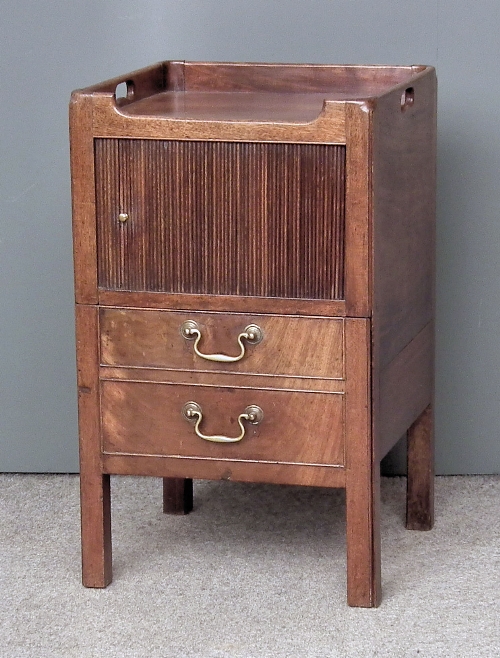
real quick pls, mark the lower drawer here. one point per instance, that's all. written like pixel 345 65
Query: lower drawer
pixel 142 418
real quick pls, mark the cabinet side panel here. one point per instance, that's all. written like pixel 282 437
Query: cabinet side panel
pixel 404 166
pixel 225 218
pixel 406 388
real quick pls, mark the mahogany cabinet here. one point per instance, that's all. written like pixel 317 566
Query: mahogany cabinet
pixel 254 272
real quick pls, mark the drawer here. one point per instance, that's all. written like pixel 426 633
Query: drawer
pixel 290 346
pixel 297 427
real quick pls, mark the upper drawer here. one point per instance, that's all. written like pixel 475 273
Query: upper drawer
pixel 290 346
pixel 225 218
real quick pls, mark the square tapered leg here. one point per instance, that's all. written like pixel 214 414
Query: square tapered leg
pixel 177 495
pixel 420 483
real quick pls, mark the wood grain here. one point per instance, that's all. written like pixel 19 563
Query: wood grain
pixel 255 107
pixel 362 474
pixel 307 347
pixel 83 199
pixel 404 180
pixel 210 469
pixel 143 82
pixel 109 120
pixel 240 102
pixel 250 76
pixel 223 379
pixel 94 485
pixel 358 210
pixel 228 303
pixel 349 81
pixel 297 197
pixel 263 220
pixel 298 427
pixel 406 388
pixel 420 482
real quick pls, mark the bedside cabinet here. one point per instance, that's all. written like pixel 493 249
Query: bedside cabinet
pixel 254 272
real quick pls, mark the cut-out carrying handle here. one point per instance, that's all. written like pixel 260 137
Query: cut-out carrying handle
pixel 407 98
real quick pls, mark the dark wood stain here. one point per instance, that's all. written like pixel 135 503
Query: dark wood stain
pixel 251 219
pixel 135 414
pixel 297 197
pixel 177 495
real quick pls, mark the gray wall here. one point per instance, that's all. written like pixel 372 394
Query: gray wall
pixel 48 48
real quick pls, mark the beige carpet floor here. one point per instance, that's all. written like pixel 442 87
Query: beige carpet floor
pixel 256 571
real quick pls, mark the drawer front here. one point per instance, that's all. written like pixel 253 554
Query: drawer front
pixel 226 218
pixel 298 347
pixel 297 427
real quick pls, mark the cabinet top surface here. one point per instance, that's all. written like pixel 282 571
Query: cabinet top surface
pixel 248 92
pixel 233 106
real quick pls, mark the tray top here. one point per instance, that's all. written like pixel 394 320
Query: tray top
pixel 208 91
pixel 234 106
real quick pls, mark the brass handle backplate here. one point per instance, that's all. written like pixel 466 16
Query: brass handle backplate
pixel 193 413
pixel 252 334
